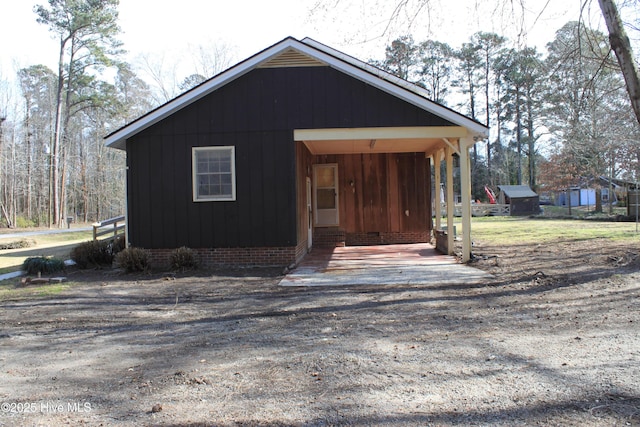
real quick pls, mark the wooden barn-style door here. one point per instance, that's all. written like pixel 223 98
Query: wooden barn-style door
pixel 326 209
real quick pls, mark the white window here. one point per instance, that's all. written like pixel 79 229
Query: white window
pixel 214 174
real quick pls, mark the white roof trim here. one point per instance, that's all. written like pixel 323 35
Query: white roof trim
pixel 411 132
pixel 333 58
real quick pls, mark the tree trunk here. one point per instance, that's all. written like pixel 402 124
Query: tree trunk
pixel 531 143
pixel 29 164
pixel 622 48
pixel 488 116
pixel 2 175
pixel 57 136
pixel 611 183
pixel 63 193
pixel 13 192
pixel 6 216
pixel 519 137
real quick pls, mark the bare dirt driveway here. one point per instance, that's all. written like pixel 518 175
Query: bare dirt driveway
pixel 551 339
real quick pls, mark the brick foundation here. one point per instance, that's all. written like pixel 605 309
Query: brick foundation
pixel 331 237
pixel 237 257
pixel 328 237
pixel 387 238
pixel 287 255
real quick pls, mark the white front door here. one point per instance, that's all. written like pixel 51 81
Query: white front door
pixel 325 180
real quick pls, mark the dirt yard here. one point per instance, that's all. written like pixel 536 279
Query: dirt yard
pixel 553 339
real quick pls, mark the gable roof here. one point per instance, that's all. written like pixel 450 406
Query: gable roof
pixel 293 52
pixel 517 191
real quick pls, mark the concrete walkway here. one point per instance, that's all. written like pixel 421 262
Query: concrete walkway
pixel 417 264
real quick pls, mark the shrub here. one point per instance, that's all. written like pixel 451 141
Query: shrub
pixel 133 259
pixel 183 259
pixel 93 253
pixel 17 244
pixel 117 245
pixel 22 222
pixel 44 265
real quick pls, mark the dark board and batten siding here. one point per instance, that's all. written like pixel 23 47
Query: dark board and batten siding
pixel 256 114
pixel 167 216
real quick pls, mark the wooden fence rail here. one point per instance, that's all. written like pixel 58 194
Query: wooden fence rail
pixel 114 227
pixel 480 209
pixel 485 209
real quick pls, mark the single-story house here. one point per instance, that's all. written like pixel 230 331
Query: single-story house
pixel 522 200
pixel 579 196
pixel 296 146
pixel 586 193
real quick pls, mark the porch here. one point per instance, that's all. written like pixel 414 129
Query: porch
pixel 373 185
pixel 413 264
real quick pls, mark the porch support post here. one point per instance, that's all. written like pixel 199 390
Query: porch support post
pixel 127 242
pixel 450 201
pixel 437 203
pixel 465 185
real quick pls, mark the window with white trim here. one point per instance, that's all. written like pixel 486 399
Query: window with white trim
pixel 214 174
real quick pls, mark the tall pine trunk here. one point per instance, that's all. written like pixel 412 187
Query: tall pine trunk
pixel 57 137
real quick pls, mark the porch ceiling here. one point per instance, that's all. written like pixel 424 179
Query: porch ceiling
pixel 378 140
pixel 374 146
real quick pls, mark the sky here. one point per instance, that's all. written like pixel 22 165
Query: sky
pixel 360 28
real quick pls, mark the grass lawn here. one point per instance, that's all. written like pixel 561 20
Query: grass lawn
pixel 54 245
pixel 505 230
pixel 581 211
pixel 9 290
pixel 491 230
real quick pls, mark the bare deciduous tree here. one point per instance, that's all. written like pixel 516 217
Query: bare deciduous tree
pixel 211 57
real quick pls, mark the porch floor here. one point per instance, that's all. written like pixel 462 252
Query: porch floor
pixel 415 264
